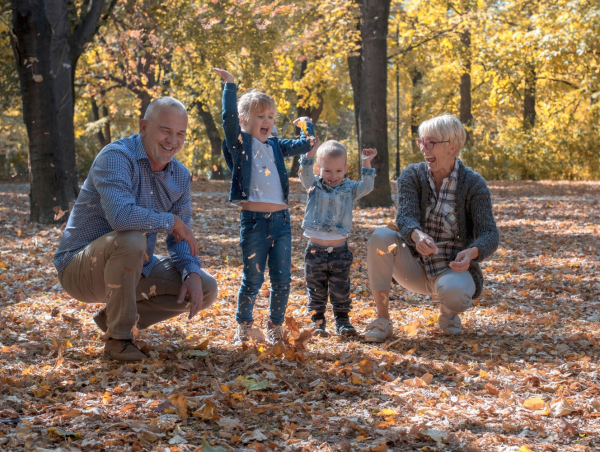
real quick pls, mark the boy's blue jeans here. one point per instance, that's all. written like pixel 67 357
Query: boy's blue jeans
pixel 265 237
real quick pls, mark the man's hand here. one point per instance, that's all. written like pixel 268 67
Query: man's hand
pixel 463 259
pixel 192 289
pixel 425 244
pixel 368 155
pixel 226 76
pixel 182 232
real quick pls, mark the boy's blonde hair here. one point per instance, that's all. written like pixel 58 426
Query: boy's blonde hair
pixel 331 149
pixel 255 102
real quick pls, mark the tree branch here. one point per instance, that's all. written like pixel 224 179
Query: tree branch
pixel 87 28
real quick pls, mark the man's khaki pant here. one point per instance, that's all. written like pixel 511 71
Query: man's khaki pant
pixel 109 270
pixel 454 290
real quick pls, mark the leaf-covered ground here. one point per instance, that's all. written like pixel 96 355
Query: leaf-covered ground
pixel 523 376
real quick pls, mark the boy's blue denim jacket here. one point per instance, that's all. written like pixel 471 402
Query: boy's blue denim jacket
pixel 329 209
pixel 237 149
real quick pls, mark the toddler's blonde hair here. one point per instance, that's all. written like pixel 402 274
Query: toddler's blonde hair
pixel 331 149
pixel 255 102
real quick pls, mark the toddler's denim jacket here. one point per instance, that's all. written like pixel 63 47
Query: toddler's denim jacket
pixel 329 209
pixel 237 149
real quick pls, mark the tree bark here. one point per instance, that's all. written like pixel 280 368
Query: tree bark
pixel 529 113
pixel 104 136
pixel 372 117
pixel 355 72
pixel 466 114
pixel 310 112
pixel 416 77
pixel 46 54
pixel 215 141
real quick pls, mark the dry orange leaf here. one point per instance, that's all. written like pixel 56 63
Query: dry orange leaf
pixel 534 403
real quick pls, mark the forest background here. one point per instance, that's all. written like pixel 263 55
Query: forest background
pixel 522 75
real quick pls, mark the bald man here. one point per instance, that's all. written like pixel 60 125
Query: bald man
pixel 136 189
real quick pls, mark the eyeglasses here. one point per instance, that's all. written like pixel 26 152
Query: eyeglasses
pixel 428 144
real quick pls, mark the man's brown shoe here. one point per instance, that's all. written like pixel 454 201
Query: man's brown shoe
pixel 100 318
pixel 123 350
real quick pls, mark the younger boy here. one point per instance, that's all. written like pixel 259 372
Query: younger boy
pixel 327 222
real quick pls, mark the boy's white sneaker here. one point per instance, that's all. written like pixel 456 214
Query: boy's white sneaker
pixel 274 333
pixel 378 330
pixel 242 333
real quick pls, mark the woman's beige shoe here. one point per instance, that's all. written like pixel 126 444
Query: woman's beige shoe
pixel 379 330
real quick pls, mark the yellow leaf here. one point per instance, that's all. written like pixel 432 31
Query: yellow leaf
pixel 534 403
pixel 302 126
pixel 391 247
pixel 524 449
pixel 94 379
pixel 225 389
pixel 208 411
pixel 267 172
pixel 412 328
pixel 381 253
pixel 356 379
pixel 180 402
pixel 483 374
pixel 387 412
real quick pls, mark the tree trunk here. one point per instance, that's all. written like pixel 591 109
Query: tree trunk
pixel 46 54
pixel 529 97
pixel 529 115
pixel 415 76
pixel 355 72
pixel 372 118
pixel 215 141
pixel 104 136
pixel 312 113
pixel 466 115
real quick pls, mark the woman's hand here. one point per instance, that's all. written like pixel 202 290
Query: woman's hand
pixel 463 259
pixel 425 244
pixel 226 76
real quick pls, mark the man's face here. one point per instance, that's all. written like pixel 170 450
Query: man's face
pixel 332 169
pixel 260 124
pixel 163 135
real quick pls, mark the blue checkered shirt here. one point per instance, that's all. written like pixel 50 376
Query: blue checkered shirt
pixel 122 193
pixel 442 225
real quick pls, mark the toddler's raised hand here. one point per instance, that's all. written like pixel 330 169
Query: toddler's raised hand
pixel 310 154
pixel 226 76
pixel 368 154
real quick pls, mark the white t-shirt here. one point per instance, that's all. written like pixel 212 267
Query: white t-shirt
pixel 265 185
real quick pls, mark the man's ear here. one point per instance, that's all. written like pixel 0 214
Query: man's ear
pixel 143 125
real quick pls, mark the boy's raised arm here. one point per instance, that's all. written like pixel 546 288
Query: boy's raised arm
pixel 301 145
pixel 305 173
pixel 367 182
pixel 231 121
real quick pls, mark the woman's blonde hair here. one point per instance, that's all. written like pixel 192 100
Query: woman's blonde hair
pixel 255 102
pixel 445 127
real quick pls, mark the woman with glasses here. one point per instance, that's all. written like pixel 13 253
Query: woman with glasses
pixel 445 227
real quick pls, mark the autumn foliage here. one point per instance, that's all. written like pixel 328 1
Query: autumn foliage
pixel 523 376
